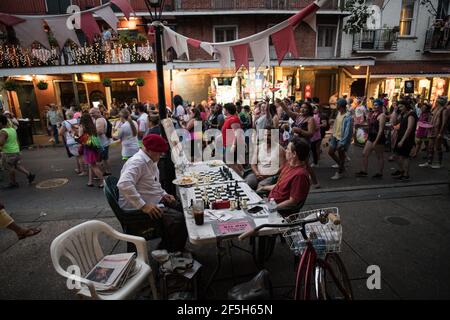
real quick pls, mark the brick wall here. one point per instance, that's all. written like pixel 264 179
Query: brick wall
pixel 247 26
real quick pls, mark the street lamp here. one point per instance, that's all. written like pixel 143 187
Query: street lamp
pixel 166 167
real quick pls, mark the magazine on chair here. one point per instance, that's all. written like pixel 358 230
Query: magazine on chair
pixel 112 271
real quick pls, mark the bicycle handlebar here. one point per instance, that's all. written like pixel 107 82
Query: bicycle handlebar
pixel 322 217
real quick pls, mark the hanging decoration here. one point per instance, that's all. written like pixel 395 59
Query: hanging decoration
pixel 282 36
pixel 29 29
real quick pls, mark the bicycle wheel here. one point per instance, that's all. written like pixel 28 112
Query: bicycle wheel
pixel 335 284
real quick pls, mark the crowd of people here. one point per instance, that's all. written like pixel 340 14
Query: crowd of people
pixel 284 167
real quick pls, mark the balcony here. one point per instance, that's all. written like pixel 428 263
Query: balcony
pixel 376 41
pixel 437 40
pixel 13 56
pixel 197 5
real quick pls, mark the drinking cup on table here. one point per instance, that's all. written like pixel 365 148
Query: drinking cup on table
pixel 198 212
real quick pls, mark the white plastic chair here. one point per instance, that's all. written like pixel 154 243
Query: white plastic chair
pixel 81 246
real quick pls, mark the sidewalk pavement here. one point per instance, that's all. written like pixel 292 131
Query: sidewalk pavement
pixel 411 249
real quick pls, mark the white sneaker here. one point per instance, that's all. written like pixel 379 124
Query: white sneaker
pixel 313 165
pixel 335 166
pixel 337 176
pixel 424 165
pixel 436 166
pixel 348 159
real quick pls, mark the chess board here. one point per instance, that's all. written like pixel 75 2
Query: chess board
pixel 223 175
pixel 228 191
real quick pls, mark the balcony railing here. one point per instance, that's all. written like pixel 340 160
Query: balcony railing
pixel 13 56
pixel 376 40
pixel 195 5
pixel 437 39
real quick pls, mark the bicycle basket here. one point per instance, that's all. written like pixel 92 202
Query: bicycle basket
pixel 324 237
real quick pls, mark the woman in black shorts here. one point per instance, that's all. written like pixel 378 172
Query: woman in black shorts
pixel 405 140
pixel 375 141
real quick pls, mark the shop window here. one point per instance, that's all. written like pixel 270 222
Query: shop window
pixel 67 95
pixel 407 17
pixel 57 6
pixel 124 90
pixel 225 33
pixel 326 39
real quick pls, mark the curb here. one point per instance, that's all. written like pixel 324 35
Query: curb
pixel 382 186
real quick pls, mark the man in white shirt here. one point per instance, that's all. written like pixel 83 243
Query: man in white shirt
pixel 140 189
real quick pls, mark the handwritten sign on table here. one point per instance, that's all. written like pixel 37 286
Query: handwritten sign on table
pixel 233 227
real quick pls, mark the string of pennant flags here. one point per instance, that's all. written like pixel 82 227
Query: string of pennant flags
pixel 29 29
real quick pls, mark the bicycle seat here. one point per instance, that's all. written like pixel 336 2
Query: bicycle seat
pixel 258 288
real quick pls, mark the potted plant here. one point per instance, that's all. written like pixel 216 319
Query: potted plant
pixel 140 82
pixel 10 85
pixel 42 85
pixel 107 82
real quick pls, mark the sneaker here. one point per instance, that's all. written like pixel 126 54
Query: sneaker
pixel 377 176
pixel 425 165
pixel 397 173
pixel 436 166
pixel 337 176
pixel 404 178
pixel 335 166
pixel 31 178
pixel 313 165
pixel 361 174
pixel 316 186
pixel 12 186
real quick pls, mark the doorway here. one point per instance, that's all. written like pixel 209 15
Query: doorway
pixel 323 86
pixel 28 104
pixel 358 88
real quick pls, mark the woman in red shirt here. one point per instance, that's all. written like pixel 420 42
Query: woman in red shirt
pixel 232 124
pixel 293 184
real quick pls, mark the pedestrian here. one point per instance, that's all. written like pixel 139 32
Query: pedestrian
pixel 436 133
pixel 140 189
pixel 341 137
pixel 376 140
pixel 127 132
pixel 11 158
pixel 91 148
pixel 180 112
pixel 68 131
pixel 54 119
pixel 423 127
pixel 232 137
pixel 101 125
pixel 405 138
pixel 153 125
pixel 6 221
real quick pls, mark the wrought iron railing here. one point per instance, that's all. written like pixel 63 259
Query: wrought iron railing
pixel 437 39
pixel 376 40
pixel 14 56
pixel 192 5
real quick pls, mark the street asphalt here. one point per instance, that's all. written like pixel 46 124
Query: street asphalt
pixel 404 228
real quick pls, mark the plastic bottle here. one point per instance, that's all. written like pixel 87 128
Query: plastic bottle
pixel 273 213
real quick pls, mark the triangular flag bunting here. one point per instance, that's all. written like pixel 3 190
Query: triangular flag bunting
pixel 194 43
pixel 302 14
pixel 109 16
pixel 89 26
pixel 260 52
pixel 10 20
pixel 311 21
pixel 240 53
pixel 61 32
pixel 224 55
pixel 124 6
pixel 207 47
pixel 170 40
pixel 38 34
pixel 284 42
pixel 182 46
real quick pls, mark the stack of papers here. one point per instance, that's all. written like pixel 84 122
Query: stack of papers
pixel 112 271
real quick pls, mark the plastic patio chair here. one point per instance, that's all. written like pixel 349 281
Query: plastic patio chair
pixel 80 245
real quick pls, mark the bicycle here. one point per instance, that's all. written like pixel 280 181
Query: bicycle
pixel 315 237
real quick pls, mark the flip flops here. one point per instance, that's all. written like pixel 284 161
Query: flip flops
pixel 29 233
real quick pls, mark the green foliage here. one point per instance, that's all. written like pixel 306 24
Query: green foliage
pixel 107 82
pixel 140 82
pixel 359 13
pixel 10 85
pixel 42 85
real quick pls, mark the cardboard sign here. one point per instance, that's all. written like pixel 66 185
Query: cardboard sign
pixel 233 227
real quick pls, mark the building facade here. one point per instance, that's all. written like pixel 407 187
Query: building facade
pixel 411 43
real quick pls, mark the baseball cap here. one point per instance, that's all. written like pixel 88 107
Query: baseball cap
pixel 341 102
pixel 156 143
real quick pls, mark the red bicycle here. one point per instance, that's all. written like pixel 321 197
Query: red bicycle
pixel 315 237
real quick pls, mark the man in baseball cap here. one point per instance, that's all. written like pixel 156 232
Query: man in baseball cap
pixel 140 189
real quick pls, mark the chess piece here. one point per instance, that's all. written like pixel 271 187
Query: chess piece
pixel 238 203
pixel 244 204
pixel 232 205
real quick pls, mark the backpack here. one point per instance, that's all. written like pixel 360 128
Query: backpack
pixel 109 128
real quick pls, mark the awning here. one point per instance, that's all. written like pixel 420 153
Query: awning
pixel 398 69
